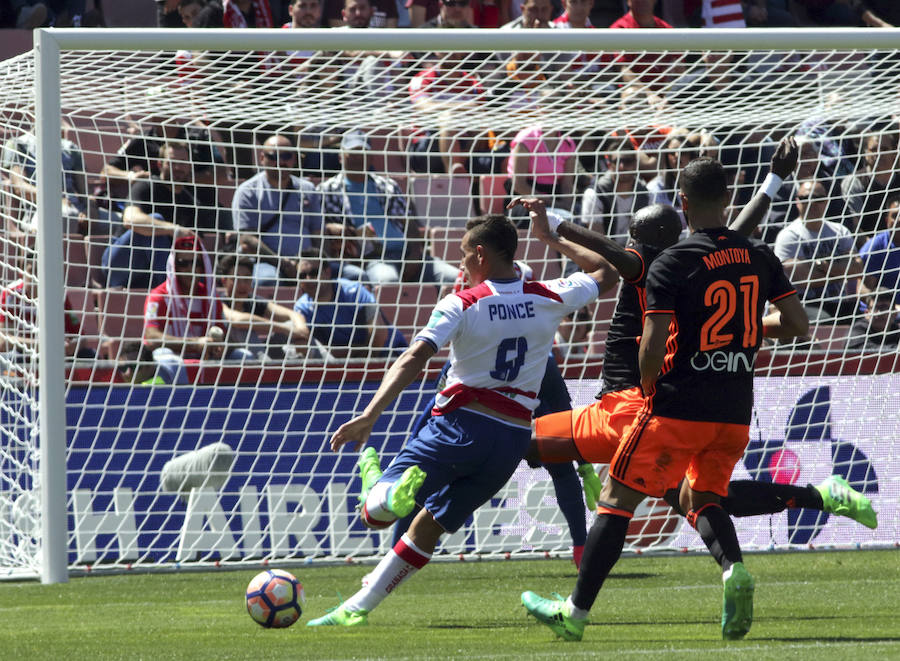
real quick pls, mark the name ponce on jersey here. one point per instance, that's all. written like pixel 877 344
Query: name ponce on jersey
pixel 502 311
pixel 726 256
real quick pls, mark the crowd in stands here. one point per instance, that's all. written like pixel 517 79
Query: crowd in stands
pixel 274 244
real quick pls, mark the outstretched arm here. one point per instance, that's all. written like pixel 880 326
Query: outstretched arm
pixel 652 351
pixel 407 367
pixel 591 251
pixel 784 161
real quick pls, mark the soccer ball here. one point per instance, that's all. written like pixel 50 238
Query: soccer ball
pixel 275 598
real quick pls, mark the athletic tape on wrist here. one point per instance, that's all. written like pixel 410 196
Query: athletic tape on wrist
pixel 771 184
pixel 554 221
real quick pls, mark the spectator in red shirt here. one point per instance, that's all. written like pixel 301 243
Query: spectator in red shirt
pixel 183 317
pixel 652 69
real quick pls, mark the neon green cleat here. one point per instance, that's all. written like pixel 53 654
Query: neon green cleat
pixel 341 617
pixel 554 613
pixel 402 495
pixel 369 471
pixel 591 484
pixel 838 497
pixel 737 602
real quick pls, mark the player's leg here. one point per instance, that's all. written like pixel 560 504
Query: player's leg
pixel 634 475
pixel 706 482
pixel 554 397
pixel 388 496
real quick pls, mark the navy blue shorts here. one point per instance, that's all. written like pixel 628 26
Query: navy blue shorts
pixel 467 458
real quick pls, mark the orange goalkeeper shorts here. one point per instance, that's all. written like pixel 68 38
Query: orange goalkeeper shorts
pixel 658 452
pixel 596 428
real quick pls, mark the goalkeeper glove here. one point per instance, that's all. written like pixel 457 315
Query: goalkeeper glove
pixel 591 483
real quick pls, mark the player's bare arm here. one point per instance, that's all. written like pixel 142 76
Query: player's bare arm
pixel 789 320
pixel 653 348
pixel 403 372
pixel 592 252
pixel 784 162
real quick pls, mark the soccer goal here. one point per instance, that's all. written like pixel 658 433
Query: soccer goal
pixel 314 186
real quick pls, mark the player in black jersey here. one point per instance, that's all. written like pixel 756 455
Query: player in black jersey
pixel 593 432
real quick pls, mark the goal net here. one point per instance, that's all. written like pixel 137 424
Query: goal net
pixel 253 227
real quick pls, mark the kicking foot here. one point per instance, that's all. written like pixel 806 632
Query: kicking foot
pixel 341 617
pixel 555 614
pixel 737 602
pixel 369 471
pixel 838 497
pixel 402 494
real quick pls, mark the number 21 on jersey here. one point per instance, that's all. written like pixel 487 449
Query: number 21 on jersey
pixel 724 298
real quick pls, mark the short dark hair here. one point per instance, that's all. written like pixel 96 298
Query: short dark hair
pixel 657 225
pixel 228 265
pixel 496 232
pixel 703 181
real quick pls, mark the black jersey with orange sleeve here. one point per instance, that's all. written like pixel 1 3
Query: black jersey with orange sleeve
pixel 620 362
pixel 715 284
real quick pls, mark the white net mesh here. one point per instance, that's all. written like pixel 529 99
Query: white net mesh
pixel 306 166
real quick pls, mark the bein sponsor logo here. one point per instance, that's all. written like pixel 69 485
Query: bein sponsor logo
pixel 722 361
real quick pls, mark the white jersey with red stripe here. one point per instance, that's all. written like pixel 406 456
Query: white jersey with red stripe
pixel 500 333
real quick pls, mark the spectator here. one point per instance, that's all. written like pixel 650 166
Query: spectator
pixel 768 14
pixel 135 364
pixel 535 14
pixel 718 14
pixel 543 164
pixel 305 14
pixel 679 149
pixel 608 205
pixel 878 329
pixel 881 13
pixel 180 314
pixel 342 316
pixel 18 319
pixel 158 207
pixel 247 14
pixel 421 11
pixel 357 14
pixel 867 191
pixel 24 14
pixel 188 10
pixel 881 254
pixel 167 14
pixel 576 15
pixel 261 326
pixel 653 69
pixel 368 217
pixel 19 162
pixel 382 13
pixel 453 14
pixel 817 255
pixel 490 13
pixel 279 212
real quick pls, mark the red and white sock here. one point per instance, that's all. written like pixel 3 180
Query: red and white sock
pixel 401 562
pixel 375 512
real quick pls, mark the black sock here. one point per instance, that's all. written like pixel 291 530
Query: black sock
pixel 752 498
pixel 601 552
pixel 717 532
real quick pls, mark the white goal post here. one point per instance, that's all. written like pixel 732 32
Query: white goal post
pixel 93 79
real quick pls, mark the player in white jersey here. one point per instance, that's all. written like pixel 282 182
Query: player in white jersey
pixel 500 331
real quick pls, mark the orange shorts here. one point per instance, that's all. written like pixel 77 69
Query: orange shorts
pixel 596 428
pixel 658 452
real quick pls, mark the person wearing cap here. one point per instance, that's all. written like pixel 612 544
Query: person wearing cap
pixel 276 213
pixel 367 218
pixel 183 316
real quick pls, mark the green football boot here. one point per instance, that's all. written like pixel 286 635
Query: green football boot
pixel 369 471
pixel 553 613
pixel 341 617
pixel 838 497
pixel 737 602
pixel 402 494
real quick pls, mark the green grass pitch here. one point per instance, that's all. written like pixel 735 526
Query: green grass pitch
pixel 817 606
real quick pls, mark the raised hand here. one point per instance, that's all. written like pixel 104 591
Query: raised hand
pixel 784 160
